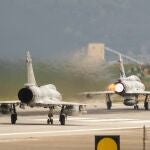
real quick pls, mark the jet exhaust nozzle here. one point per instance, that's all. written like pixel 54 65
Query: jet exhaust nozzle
pixel 25 95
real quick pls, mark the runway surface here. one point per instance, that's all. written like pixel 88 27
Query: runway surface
pixel 79 132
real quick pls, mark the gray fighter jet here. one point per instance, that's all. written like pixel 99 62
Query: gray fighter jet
pixel 45 96
pixel 128 87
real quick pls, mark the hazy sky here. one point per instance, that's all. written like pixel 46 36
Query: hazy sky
pixel 58 27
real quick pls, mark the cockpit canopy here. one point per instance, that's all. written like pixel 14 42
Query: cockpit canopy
pixel 133 78
pixel 52 86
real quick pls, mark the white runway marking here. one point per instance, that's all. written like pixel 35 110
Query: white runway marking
pixel 109 120
pixel 68 118
pixel 92 120
pixel 141 121
pixel 67 131
pixel 14 140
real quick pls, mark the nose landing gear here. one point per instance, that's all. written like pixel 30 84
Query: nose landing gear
pixel 108 102
pixel 62 116
pixel 136 107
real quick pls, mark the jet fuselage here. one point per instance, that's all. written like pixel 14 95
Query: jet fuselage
pixel 34 94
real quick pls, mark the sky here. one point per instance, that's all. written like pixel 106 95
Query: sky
pixel 57 28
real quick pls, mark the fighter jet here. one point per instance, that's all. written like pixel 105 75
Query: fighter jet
pixel 45 96
pixel 128 87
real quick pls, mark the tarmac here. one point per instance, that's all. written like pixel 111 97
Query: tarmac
pixel 32 132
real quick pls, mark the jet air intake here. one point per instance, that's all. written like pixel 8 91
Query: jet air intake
pixel 119 88
pixel 25 95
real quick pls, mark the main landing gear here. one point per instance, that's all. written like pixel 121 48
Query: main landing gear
pixel 13 114
pixel 136 106
pixel 146 103
pixel 108 102
pixel 50 115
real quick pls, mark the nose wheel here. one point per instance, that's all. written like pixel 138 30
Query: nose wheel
pixel 50 121
pixel 62 116
pixel 62 119
pixel 136 107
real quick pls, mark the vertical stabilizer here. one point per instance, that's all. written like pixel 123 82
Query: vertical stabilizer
pixel 30 74
pixel 122 71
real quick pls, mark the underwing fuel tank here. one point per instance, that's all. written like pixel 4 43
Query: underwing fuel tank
pixel 129 102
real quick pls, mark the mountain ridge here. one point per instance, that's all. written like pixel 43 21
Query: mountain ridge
pixel 55 28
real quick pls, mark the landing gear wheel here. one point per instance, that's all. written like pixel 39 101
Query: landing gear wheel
pixel 13 118
pixel 136 107
pixel 146 105
pixel 62 119
pixel 49 121
pixel 109 104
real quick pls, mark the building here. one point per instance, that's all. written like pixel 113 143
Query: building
pixel 95 52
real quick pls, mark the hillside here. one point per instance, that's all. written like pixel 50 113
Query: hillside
pixel 69 78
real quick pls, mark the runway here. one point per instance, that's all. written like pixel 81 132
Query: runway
pixel 79 131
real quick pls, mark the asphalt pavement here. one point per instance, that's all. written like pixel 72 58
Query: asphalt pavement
pixel 32 132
